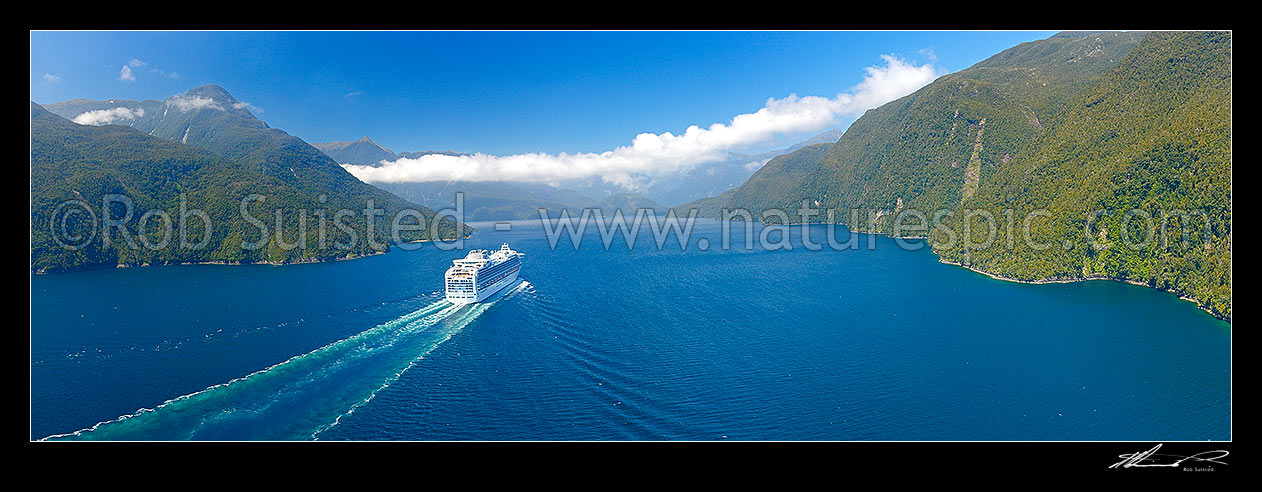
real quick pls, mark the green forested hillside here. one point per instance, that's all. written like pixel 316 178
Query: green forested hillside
pixel 210 118
pixel 80 162
pixel 920 148
pixel 1068 125
pixel 1150 139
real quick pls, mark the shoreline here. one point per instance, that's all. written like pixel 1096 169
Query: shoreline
pixel 940 260
pixel 1021 281
pixel 352 256
pixel 1080 279
pixel 215 262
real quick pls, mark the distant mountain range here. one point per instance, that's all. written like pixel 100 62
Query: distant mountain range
pixel 366 152
pixel 503 200
pixel 208 146
pixel 1074 125
pixel 702 180
pixel 712 179
pixel 363 152
pixel 497 200
pixel 493 200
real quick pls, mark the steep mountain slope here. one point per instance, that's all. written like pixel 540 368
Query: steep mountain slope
pixel 209 118
pixel 1144 151
pixel 216 152
pixel 919 149
pixel 1067 126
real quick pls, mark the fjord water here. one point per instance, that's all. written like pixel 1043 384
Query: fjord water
pixel 672 344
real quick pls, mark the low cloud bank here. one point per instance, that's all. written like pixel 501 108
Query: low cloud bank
pixel 107 116
pixel 657 154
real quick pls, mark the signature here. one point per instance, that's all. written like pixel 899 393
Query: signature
pixel 1150 458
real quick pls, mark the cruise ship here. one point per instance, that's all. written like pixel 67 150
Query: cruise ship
pixel 480 274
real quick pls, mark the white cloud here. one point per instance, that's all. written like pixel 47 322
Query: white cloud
pixel 755 165
pixel 165 73
pixel 656 154
pixel 353 94
pixel 125 75
pixel 247 106
pixel 107 116
pixel 52 79
pixel 186 104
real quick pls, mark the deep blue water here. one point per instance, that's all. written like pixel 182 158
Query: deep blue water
pixel 866 344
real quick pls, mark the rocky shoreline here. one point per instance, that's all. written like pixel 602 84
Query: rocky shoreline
pixel 1082 279
pixel 995 276
pixel 218 262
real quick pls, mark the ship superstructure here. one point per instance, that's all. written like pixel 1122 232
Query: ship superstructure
pixel 480 274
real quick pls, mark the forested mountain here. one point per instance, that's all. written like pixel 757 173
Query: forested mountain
pixel 1070 124
pixel 920 147
pixel 211 119
pixel 206 145
pixel 1145 150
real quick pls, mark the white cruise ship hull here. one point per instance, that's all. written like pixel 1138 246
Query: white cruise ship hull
pixel 480 275
pixel 481 294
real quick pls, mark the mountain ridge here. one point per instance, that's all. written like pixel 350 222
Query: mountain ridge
pixel 248 155
pixel 1019 128
pixel 363 152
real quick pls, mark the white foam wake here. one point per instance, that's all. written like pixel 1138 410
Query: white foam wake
pixel 304 395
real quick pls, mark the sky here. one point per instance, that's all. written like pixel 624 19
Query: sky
pixel 537 105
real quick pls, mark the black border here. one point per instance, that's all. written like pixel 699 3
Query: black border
pixel 838 463
pixel 842 461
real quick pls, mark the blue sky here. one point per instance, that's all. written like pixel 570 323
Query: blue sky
pixel 494 92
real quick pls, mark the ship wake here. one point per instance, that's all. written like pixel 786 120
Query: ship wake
pixel 305 395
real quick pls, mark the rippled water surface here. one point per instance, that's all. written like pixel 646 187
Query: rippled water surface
pixel 594 344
